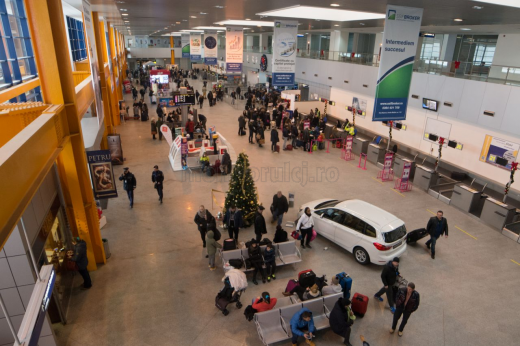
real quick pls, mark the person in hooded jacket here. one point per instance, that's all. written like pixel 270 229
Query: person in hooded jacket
pixel 342 318
pixel 242 124
pixel 302 325
pixel 80 257
pixel 389 276
pixel 212 245
pixel 255 256
pixel 274 138
pixel 270 262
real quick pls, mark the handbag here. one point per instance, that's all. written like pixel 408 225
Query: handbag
pixel 258 136
pixel 314 235
pixel 296 235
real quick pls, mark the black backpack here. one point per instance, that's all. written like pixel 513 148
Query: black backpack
pixel 216 234
pixel 249 312
pixel 236 263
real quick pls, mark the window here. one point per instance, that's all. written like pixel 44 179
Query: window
pixel 17 62
pixel 332 214
pixel 76 39
pixel 370 231
pixel 354 223
pixel 395 234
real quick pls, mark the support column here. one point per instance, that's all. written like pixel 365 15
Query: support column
pixel 172 45
pixel 54 67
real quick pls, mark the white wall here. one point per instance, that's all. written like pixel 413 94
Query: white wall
pixel 507 52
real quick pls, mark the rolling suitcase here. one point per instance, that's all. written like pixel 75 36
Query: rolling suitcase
pixel 229 244
pixel 289 147
pixel 277 148
pixel 415 235
pixel 307 278
pixel 359 304
pixel 290 285
pixel 345 282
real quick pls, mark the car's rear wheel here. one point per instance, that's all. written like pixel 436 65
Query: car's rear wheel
pixel 361 255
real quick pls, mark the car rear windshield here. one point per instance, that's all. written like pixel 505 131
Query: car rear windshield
pixel 395 234
pixel 328 204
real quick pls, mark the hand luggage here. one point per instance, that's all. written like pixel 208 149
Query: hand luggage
pixel 296 235
pixel 277 148
pixel 359 304
pixel 345 282
pixel 338 144
pixel 290 285
pixel 299 143
pixel 144 116
pixel 265 241
pixel 249 313
pixel 229 244
pixel 289 147
pixel 236 263
pixel 154 99
pixel 321 145
pixel 415 235
pixel 216 234
pixel 314 235
pixel 247 263
pixel 210 171
pixel 314 147
pixel 216 167
pixel 459 176
pixel 307 278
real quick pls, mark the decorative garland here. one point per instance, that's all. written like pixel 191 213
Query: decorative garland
pixel 325 110
pixel 514 167
pixel 263 63
pixel 354 111
pixel 441 142
pixel 391 123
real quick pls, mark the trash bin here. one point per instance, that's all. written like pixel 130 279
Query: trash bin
pixel 107 248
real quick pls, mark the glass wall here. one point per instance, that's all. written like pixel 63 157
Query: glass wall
pixel 76 39
pixel 431 47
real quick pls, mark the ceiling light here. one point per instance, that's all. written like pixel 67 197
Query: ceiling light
pixel 219 6
pixel 203 13
pixel 334 5
pixel 245 22
pixel 465 29
pixel 458 20
pixel 184 20
pixel 177 22
pixel 510 3
pixel 478 7
pixel 208 27
pixel 193 16
pixel 310 12
pixel 336 24
pixel 362 24
pixel 123 9
pixel 248 19
pixel 259 26
pixel 125 14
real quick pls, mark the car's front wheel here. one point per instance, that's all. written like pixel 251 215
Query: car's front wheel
pixel 361 255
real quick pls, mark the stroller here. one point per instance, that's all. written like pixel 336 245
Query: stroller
pixel 235 283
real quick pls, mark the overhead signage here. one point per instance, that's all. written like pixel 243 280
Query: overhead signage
pixel 401 33
pixel 102 174
pixel 195 47
pixel 210 48
pixel 284 52
pixel 234 49
pixel 185 43
pixel 499 152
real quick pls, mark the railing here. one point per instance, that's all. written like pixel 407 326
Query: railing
pixel 80 76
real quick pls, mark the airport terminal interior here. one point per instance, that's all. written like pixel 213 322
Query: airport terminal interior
pixel 244 172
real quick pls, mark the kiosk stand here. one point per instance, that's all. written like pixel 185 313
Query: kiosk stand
pixel 404 184
pixel 387 174
pixel 346 152
pixel 364 167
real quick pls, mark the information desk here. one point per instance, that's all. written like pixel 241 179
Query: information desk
pixel 375 153
pixel 399 162
pixel 497 214
pixel 467 199
pixel 360 145
pixel 424 178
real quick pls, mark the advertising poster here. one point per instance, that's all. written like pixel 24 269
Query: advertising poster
pixel 94 69
pixel 184 153
pixel 166 102
pixel 402 26
pixel 101 173
pixel 195 47
pixel 116 151
pixel 185 42
pixel 497 151
pixel 388 162
pixel 234 49
pixel 348 144
pixel 167 134
pixel 210 48
pixel 284 52
pixel 109 53
pixel 407 167
pixel 360 106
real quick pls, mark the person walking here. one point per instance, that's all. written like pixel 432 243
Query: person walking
pixel 160 112
pixel 294 134
pixel 204 221
pixel 212 245
pixel 260 138
pixel 260 227
pixel 158 124
pixel 251 131
pixel 201 101
pixel 142 92
pixel 129 184
pixel 389 276
pixel 279 207
pixel 255 256
pixel 302 325
pixel 81 259
pixel 197 94
pixel 270 262
pixel 342 318
pixel 274 139
pixel 407 302
pixel 210 98
pixel 286 133
pixel 158 179
pixel 190 127
pixel 436 227
pixel 305 224
pixel 242 124
pixel 153 125
pixel 233 221
pixel 134 94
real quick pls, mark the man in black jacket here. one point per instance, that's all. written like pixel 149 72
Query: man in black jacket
pixel 260 227
pixel 280 206
pixel 226 163
pixel 158 178
pixel 255 256
pixel 80 257
pixel 407 301
pixel 204 221
pixel 437 226
pixel 342 318
pixel 389 276
pixel 129 184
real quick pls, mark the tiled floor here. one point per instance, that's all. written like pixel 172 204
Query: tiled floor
pixel 156 288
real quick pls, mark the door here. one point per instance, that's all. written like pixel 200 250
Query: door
pixel 349 233
pixel 326 221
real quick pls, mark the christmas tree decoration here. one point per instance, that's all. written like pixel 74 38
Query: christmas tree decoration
pixel 242 191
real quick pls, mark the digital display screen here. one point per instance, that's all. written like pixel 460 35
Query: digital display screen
pixel 430 104
pixel 433 138
pixel 501 161
pixel 452 144
pixel 184 100
pixel 159 78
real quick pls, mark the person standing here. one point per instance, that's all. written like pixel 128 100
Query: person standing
pixel 260 227
pixel 305 224
pixel 212 246
pixel 233 221
pixel 226 165
pixel 160 112
pixel 129 184
pixel 260 133
pixel 81 259
pixel 279 207
pixel 204 220
pixel 302 324
pixel 210 98
pixel 201 101
pixel 153 128
pixel 197 94
pixel 251 131
pixel 274 139
pixel 238 92
pixel 142 92
pixel 242 124
pixel 203 120
pixel 158 124
pixel 158 179
pixel 190 127
pixel 389 276
pixel 342 318
pixel 436 227
pixel 407 302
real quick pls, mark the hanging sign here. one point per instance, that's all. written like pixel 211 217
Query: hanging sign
pixel 101 173
pixel 402 26
pixel 185 43
pixel 210 48
pixel 234 49
pixel 284 52
pixel 195 47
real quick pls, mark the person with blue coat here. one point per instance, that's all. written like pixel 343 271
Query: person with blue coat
pixel 302 324
pixel 233 221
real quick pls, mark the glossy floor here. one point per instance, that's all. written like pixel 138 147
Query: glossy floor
pixel 156 289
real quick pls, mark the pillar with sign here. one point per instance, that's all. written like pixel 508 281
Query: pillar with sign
pixel 387 174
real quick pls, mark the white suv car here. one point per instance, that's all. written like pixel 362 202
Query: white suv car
pixel 370 233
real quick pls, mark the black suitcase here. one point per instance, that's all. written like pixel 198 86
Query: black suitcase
pixel 307 279
pixel 415 235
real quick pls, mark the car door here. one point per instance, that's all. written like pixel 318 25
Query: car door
pixel 326 220
pixel 349 233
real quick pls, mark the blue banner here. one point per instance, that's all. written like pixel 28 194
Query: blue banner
pixel 386 109
pixel 281 79
pixel 195 57
pixel 210 61
pixel 233 67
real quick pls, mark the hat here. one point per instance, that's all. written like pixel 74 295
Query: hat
pixel 125 169
pixel 396 259
pixel 335 280
pixel 261 207
pixel 156 167
pixel 266 297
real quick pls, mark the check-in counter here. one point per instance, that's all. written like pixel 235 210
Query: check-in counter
pixel 497 214
pixel 375 153
pixel 328 130
pixel 467 199
pixel 359 145
pixel 424 177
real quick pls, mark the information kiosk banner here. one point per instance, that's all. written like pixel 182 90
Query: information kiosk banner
pixel 284 52
pixel 402 26
pixel 210 48
pixel 234 49
pixel 102 174
pixel 185 43
pixel 195 47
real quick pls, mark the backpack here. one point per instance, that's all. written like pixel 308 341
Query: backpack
pixel 249 313
pixel 236 263
pixel 216 234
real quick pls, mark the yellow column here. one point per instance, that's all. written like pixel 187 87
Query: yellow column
pixel 51 49
pixel 172 58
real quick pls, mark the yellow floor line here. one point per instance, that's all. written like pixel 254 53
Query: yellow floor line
pixel 379 181
pixel 431 212
pixel 460 229
pixel 397 192
pixel 515 262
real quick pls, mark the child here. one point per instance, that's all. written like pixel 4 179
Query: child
pixel 212 245
pixel 270 262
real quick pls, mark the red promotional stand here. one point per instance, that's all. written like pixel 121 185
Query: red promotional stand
pixel 404 184
pixel 387 174
pixel 127 86
pixel 346 152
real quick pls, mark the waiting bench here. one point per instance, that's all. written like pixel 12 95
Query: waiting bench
pixel 275 325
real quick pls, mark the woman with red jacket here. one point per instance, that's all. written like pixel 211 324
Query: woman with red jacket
pixel 264 303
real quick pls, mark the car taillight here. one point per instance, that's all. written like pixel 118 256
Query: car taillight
pixel 381 247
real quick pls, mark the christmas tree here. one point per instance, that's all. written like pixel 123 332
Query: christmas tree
pixel 242 191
